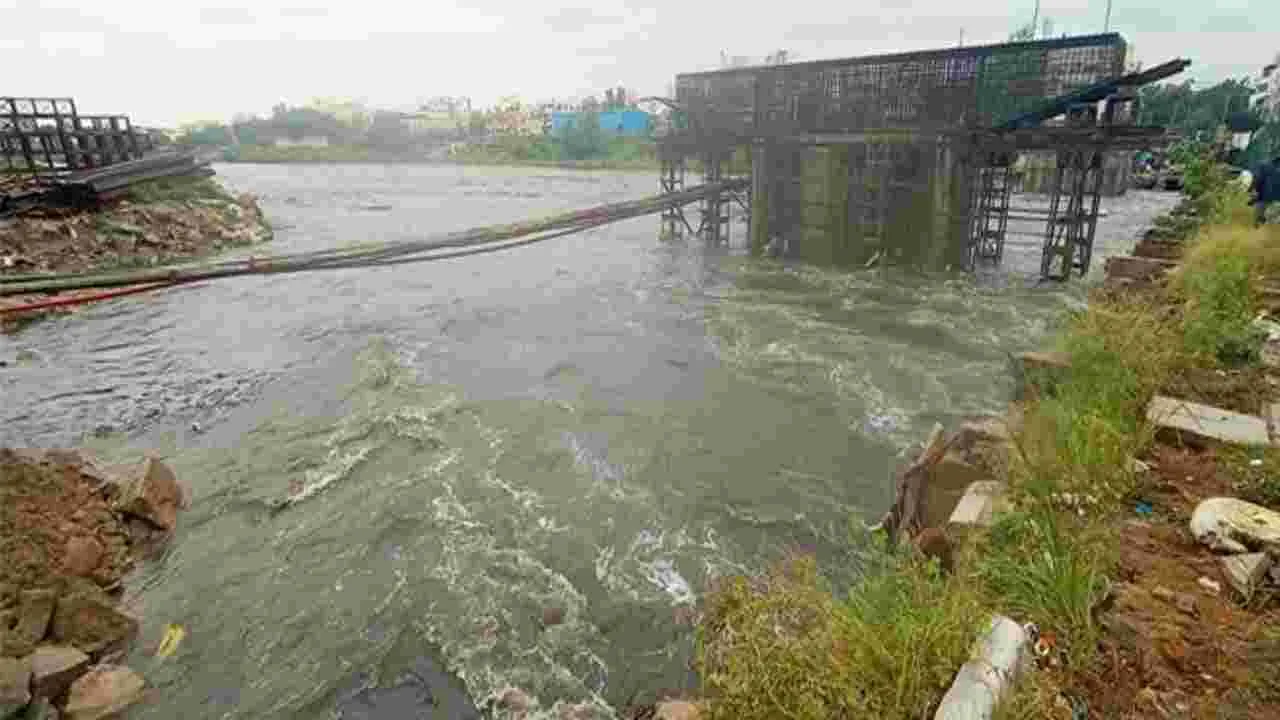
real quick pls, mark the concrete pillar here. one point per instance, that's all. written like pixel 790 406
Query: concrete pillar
pixel 824 199
pixel 761 179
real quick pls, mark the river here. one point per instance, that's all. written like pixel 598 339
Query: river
pixel 597 424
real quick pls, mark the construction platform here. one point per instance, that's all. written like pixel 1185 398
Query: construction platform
pixel 909 157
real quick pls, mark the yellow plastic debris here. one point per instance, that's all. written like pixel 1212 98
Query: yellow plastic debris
pixel 173 635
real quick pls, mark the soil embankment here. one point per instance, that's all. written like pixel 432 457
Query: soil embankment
pixel 70 531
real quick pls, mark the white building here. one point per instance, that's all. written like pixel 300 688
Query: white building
pixel 304 141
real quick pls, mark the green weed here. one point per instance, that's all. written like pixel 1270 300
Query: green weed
pixel 1079 438
pixel 1045 567
pixel 1218 323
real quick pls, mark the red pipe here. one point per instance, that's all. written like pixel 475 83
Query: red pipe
pixel 60 302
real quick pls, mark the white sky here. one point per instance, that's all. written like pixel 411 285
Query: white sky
pixel 181 60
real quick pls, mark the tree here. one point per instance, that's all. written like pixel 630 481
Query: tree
pixel 1023 34
pixel 205 134
pixel 1197 113
pixel 584 139
pixel 780 57
pixel 389 131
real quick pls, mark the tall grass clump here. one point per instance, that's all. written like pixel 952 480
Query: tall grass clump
pixel 1217 198
pixel 1048 567
pixel 782 646
pixel 1078 438
pixel 1219 284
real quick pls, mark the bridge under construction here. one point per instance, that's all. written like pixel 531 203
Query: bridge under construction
pixel 908 157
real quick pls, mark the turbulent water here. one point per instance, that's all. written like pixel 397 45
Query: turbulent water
pixel 598 424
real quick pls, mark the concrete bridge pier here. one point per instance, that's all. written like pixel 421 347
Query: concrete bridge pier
pixel 903 197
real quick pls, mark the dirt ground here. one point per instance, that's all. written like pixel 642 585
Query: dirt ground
pixel 1245 390
pixel 56 523
pixel 1172 648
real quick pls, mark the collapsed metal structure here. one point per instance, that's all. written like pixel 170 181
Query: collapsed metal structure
pixel 48 134
pixel 909 156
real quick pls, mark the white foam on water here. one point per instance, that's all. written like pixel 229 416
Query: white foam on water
pixel 663 573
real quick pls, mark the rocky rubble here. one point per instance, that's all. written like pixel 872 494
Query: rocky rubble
pixel 69 532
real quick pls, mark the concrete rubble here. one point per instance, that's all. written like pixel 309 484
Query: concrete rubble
pixel 1202 424
pixel 977 507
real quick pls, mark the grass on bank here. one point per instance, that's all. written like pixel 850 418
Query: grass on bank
pixel 785 646
pixel 179 189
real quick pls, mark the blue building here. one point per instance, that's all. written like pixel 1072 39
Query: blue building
pixel 626 123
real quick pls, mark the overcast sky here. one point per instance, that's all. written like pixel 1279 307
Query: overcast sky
pixel 171 61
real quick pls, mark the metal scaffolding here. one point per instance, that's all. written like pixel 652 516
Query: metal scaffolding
pixel 49 134
pixel 919 147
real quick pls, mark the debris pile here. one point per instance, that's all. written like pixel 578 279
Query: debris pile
pixel 181 218
pixel 69 532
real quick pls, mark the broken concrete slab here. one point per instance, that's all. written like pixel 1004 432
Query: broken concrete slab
pixel 983 681
pixel 977 507
pixel 1039 371
pixel 1154 247
pixel 948 481
pixel 1202 424
pixel 988 429
pixel 1246 572
pixel 1138 269
pixel 1235 526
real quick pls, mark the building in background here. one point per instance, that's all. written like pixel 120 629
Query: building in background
pixel 302 141
pixel 621 123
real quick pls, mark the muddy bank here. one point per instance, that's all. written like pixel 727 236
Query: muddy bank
pixel 155 223
pixel 70 531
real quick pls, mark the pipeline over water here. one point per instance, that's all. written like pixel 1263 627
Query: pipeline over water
pixel 491 238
